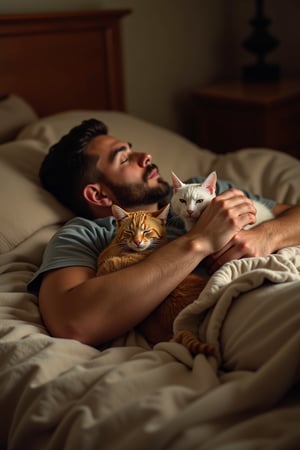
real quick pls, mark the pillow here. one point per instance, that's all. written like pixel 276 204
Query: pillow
pixel 266 172
pixel 169 150
pixel 25 206
pixel 262 171
pixel 15 113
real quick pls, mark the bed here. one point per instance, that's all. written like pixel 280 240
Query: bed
pixel 62 394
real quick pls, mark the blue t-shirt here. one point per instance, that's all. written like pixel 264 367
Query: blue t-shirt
pixel 79 241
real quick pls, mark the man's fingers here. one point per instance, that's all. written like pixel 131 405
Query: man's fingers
pixel 237 206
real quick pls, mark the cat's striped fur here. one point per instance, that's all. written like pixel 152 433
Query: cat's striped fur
pixel 137 235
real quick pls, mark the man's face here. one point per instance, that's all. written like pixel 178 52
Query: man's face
pixel 131 178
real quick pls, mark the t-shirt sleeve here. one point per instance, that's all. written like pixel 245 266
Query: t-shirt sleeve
pixel 78 243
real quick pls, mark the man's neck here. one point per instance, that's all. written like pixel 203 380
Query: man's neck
pixel 152 207
pixel 101 213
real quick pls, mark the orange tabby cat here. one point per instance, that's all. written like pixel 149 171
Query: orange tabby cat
pixel 137 235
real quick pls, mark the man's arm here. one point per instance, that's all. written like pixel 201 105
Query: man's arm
pixel 74 303
pixel 263 239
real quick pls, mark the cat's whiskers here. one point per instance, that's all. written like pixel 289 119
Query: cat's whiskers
pixel 138 234
pixel 190 200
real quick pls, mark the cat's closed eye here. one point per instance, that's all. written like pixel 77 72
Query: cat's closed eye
pixel 182 200
pixel 146 231
pixel 200 200
pixel 128 232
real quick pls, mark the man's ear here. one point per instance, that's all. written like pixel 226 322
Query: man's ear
pixel 95 195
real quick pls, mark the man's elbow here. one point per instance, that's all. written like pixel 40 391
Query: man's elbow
pixel 64 329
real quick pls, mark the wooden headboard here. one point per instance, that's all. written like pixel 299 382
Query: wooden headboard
pixel 62 61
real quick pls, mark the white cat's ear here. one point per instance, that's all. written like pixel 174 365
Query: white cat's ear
pixel 162 213
pixel 210 182
pixel 177 183
pixel 118 213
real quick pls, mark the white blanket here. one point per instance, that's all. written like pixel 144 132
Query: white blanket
pixel 60 394
pixel 233 279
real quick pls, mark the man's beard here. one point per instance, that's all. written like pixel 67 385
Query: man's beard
pixel 130 195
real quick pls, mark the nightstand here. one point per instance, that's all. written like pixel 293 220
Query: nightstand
pixel 233 115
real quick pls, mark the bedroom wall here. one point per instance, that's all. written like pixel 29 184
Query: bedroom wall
pixel 171 46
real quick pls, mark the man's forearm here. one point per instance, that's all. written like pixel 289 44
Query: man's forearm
pixel 284 230
pixel 76 304
pixel 261 240
pixel 104 307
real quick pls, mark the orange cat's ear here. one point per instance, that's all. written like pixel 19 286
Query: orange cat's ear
pixel 162 213
pixel 210 182
pixel 177 183
pixel 118 213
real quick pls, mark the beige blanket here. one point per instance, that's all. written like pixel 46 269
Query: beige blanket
pixel 226 285
pixel 60 394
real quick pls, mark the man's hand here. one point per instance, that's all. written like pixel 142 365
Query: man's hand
pixel 244 244
pixel 261 240
pixel 225 216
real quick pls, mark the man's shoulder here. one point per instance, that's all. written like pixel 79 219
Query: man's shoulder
pixel 85 231
pixel 81 223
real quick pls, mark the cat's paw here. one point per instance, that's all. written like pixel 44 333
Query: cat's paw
pixel 119 262
pixel 110 265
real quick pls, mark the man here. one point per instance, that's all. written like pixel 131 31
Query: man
pixel 89 170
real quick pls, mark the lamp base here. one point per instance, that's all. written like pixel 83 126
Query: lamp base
pixel 261 73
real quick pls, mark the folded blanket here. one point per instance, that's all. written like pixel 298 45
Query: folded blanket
pixel 206 315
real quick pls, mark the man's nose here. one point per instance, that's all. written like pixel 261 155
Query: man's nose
pixel 144 159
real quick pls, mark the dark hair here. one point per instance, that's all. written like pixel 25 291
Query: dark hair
pixel 66 168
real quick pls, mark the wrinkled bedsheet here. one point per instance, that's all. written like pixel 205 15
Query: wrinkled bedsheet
pixel 61 394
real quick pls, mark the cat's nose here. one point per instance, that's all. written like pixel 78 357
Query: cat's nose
pixel 190 212
pixel 137 242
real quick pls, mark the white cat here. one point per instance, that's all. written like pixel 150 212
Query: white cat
pixel 189 200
